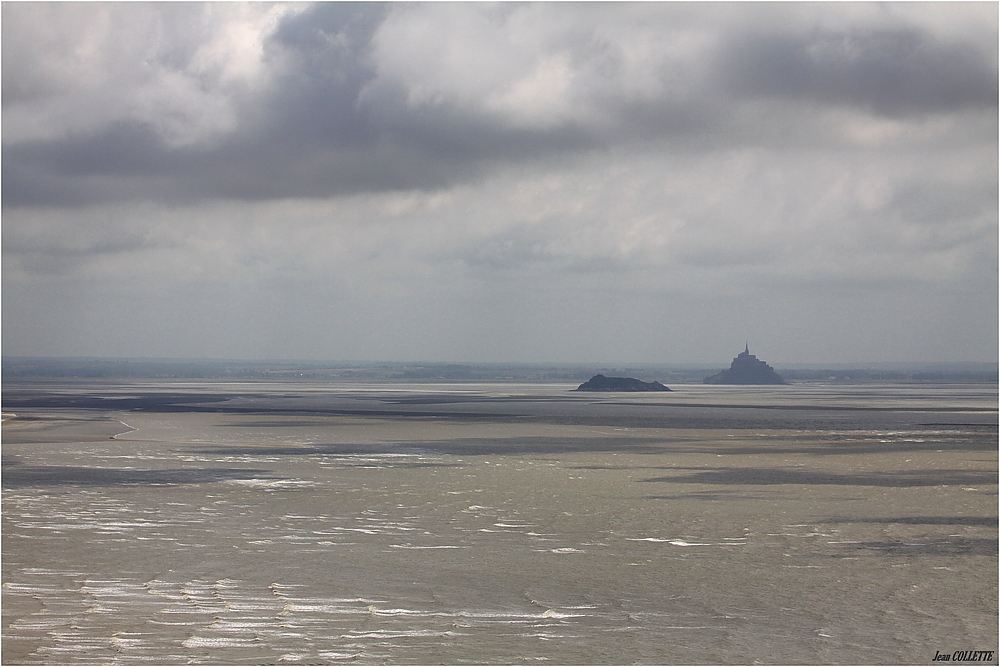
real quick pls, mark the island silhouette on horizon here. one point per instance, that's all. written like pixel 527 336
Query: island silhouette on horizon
pixel 746 369
pixel 603 383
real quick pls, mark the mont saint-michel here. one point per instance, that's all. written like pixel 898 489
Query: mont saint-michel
pixel 746 369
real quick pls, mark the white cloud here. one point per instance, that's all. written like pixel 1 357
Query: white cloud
pixel 74 68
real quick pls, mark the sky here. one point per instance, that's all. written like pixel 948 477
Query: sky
pixel 479 182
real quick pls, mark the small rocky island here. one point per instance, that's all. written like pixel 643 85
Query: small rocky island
pixel 603 383
pixel 746 369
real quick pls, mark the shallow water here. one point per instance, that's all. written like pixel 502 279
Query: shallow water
pixel 243 523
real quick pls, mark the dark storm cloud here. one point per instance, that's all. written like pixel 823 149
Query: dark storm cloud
pixel 304 137
pixel 329 94
pixel 309 136
pixel 120 158
pixel 322 71
pixel 892 72
pixel 331 124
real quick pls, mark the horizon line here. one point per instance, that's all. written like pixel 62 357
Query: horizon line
pixel 438 362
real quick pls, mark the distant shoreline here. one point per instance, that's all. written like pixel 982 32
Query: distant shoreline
pixel 97 369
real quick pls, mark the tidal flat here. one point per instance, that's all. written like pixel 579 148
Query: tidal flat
pixel 166 522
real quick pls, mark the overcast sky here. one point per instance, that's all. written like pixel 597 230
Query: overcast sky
pixel 501 182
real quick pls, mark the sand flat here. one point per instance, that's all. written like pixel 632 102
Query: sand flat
pixel 498 526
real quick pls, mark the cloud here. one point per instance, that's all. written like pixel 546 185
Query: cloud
pixel 261 102
pixel 74 69
pixel 898 72
pixel 486 181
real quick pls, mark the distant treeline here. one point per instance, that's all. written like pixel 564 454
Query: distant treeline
pixel 125 368
pixel 881 375
pixel 90 368
pixel 110 369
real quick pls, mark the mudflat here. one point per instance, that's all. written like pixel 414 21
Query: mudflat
pixel 253 523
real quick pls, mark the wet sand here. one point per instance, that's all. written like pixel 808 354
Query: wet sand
pixel 167 523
